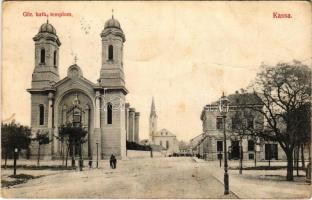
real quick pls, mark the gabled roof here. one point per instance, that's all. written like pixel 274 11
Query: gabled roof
pixel 64 80
pixel 164 133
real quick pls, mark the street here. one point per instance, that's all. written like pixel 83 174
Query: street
pixel 141 178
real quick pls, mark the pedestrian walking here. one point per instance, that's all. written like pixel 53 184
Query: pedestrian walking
pixel 115 162
pixel 111 161
pixel 90 163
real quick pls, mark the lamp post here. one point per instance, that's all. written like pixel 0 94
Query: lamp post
pixel 224 108
pixel 15 157
pixel 97 155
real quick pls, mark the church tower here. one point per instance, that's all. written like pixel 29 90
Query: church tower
pixel 152 121
pixel 44 77
pixel 112 73
pixel 47 46
pixel 112 82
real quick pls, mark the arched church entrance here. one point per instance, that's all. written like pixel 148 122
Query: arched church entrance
pixel 76 109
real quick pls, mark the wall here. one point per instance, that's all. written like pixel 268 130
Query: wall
pixel 143 154
pixel 173 143
pixel 113 135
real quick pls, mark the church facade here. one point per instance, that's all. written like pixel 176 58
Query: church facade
pixel 100 108
pixel 162 138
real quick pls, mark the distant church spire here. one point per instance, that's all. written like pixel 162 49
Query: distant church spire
pixel 153 121
pixel 153 109
pixel 153 105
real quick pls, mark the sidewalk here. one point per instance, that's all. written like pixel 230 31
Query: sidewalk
pixel 256 184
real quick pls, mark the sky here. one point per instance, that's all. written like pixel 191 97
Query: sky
pixel 182 53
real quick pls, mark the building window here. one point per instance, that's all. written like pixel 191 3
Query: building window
pixel 250 123
pixel 109 113
pixel 219 145
pixel 42 56
pixel 160 143
pixel 251 145
pixel 110 52
pixel 41 115
pixel 54 58
pixel 235 123
pixel 219 123
pixel 271 151
pixel 251 156
pixel 167 144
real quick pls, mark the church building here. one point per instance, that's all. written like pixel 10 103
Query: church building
pixel 164 138
pixel 100 108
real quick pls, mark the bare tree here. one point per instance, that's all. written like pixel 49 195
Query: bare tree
pixel 42 137
pixel 284 89
pixel 243 125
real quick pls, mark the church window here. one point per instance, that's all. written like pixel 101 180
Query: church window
pixel 109 113
pixel 41 114
pixel 54 58
pixel 110 52
pixel 77 117
pixel 42 56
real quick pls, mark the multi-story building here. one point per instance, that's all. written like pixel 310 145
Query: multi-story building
pixel 210 143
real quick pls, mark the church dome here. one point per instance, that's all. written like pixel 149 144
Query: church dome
pixel 112 23
pixel 46 27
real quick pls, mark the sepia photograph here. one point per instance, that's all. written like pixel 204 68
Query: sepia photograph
pixel 156 99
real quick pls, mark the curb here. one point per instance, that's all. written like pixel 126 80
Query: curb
pixel 218 179
pixel 221 181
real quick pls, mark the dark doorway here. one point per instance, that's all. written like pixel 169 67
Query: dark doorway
pixel 271 151
pixel 235 150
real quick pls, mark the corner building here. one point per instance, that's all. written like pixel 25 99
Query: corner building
pixel 99 107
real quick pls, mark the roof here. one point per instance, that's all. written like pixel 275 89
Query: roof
pixel 242 99
pixel 164 133
pixel 46 27
pixel 112 26
pixel 197 138
pixel 112 23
